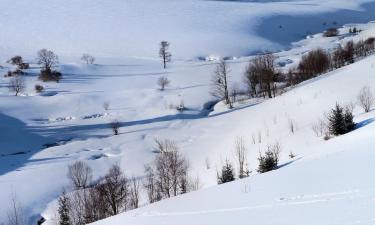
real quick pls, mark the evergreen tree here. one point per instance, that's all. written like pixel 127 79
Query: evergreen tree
pixel 227 173
pixel 63 210
pixel 337 124
pixel 267 162
pixel 348 116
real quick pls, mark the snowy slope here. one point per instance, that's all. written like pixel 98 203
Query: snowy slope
pixel 332 189
pixel 116 28
pixel 70 113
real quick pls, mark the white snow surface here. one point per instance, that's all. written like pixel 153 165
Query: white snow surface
pixel 196 28
pixel 330 182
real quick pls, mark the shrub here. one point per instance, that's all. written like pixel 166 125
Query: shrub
pixel 163 82
pixel 331 32
pixel 50 75
pixel 227 173
pixel 39 88
pixel 115 125
pixel 270 160
pixel 366 99
pixel 314 63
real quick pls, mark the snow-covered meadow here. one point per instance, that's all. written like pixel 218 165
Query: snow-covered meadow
pixel 328 182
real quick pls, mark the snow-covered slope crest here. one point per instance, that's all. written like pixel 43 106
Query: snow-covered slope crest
pixel 333 189
pixel 117 28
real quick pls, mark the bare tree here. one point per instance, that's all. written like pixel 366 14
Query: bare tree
pixel 261 72
pixel 168 176
pixel 220 83
pixel 106 106
pixel 163 82
pixel 80 175
pixel 134 193
pixel 47 59
pixel 241 156
pixel 88 59
pixel 366 98
pixel 165 145
pixel 164 53
pixel 15 213
pixel 114 188
pixel 115 125
pixel 17 84
pixel 153 192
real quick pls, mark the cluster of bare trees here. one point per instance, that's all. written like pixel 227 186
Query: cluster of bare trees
pixel 168 175
pixel 88 59
pixel 114 193
pixel 261 76
pixel 89 202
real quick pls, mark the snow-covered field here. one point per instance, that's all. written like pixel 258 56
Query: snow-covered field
pixel 195 28
pixel 329 182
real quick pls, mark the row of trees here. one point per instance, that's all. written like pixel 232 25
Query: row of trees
pixel 263 79
pixel 318 61
pixel 114 193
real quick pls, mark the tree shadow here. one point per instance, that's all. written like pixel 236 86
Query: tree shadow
pixel 364 123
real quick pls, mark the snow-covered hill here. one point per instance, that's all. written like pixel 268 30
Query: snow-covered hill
pixel 116 28
pixel 328 183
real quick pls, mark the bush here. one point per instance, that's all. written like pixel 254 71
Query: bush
pixel 340 120
pixel 115 125
pixel 50 75
pixel 366 99
pixel 163 82
pixel 270 160
pixel 227 173
pixel 331 32
pixel 39 88
pixel 314 63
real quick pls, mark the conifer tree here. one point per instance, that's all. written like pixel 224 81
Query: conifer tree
pixel 350 125
pixel 227 173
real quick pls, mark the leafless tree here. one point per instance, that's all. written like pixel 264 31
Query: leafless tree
pixel 261 72
pixel 164 53
pixel 80 175
pixel 17 84
pixel 115 125
pixel 106 106
pixel 168 176
pixel 163 82
pixel 165 145
pixel 314 63
pixel 220 83
pixel 88 59
pixel 114 188
pixel 366 98
pixel 134 193
pixel 241 156
pixel 15 213
pixel 47 59
pixel 320 128
pixel 150 184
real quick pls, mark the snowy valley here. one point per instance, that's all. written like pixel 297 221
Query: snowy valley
pixel 115 110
